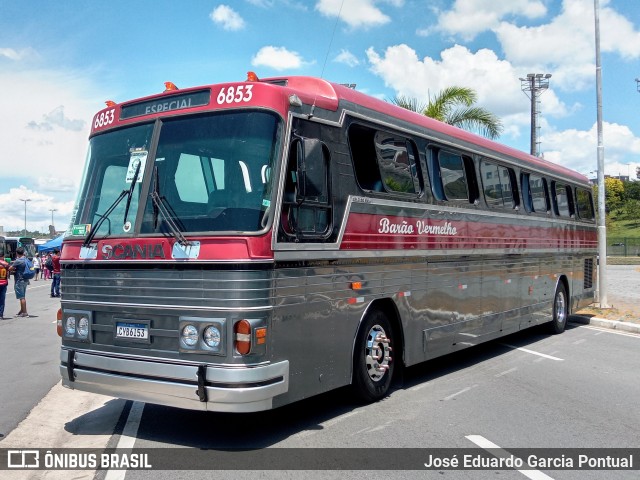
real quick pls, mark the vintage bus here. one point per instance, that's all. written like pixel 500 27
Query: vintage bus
pixel 9 245
pixel 240 246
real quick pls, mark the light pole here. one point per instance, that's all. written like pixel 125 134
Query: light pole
pixel 602 224
pixel 53 210
pixel 25 200
pixel 536 84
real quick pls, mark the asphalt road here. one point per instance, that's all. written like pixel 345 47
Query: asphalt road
pixel 528 390
pixel 29 351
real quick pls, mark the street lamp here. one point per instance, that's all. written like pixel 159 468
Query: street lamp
pixel 25 200
pixel 536 84
pixel 53 210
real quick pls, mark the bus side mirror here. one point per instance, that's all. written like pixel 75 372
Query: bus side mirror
pixel 312 171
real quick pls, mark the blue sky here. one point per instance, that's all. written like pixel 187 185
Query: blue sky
pixel 59 62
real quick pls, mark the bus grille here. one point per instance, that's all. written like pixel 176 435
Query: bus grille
pixel 588 273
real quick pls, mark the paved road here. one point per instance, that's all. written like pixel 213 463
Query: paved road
pixel 29 352
pixel 577 390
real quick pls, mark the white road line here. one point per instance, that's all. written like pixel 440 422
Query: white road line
pixel 505 372
pixel 498 452
pixel 609 330
pixel 128 437
pixel 460 392
pixel 526 350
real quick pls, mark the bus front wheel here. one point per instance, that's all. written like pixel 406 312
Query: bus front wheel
pixel 560 310
pixel 373 358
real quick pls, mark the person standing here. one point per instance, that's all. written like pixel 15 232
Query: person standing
pixel 4 284
pixel 55 285
pixel 36 265
pixel 48 267
pixel 20 284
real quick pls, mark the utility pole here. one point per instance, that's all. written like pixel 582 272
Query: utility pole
pixel 53 210
pixel 535 84
pixel 25 200
pixel 602 226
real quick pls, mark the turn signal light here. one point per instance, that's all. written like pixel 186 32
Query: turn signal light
pixel 59 322
pixel 242 330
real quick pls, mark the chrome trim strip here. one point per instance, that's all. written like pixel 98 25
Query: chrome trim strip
pixel 266 308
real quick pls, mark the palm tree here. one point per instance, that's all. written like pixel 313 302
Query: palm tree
pixel 454 105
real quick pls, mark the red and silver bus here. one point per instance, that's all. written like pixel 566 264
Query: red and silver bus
pixel 240 246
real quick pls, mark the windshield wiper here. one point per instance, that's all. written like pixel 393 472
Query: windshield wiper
pixel 103 217
pixel 159 207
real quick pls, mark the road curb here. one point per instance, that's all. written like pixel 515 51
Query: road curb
pixel 604 323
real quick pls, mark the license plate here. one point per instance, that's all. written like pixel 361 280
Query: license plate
pixel 135 331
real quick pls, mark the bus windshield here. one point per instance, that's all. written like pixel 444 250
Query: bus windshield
pixel 209 173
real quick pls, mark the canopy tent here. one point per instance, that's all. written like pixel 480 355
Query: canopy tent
pixel 51 244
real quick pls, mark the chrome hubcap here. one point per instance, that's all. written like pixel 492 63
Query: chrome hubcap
pixel 377 353
pixel 561 309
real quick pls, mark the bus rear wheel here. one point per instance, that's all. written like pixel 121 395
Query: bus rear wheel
pixel 560 310
pixel 372 361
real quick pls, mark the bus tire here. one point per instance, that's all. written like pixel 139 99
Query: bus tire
pixel 560 310
pixel 373 364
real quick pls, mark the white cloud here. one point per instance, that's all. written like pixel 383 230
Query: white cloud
pixel 356 13
pixel 227 18
pixel 468 18
pixel 577 149
pixel 38 210
pixel 278 58
pixel 565 46
pixel 347 58
pixel 16 55
pixel 494 80
pixel 43 132
pixel 57 118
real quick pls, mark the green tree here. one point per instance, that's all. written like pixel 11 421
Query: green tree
pixel 456 106
pixel 632 190
pixel 614 193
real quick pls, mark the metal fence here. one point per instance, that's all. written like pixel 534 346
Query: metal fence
pixel 623 247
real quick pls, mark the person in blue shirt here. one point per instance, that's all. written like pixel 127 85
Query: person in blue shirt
pixel 20 285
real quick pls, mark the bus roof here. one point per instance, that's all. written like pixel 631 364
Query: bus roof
pixel 310 91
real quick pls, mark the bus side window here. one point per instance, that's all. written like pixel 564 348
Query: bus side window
pixel 306 210
pixel 584 203
pixel 452 176
pixel 535 193
pixel 539 193
pixel 497 182
pixel 562 204
pixel 397 163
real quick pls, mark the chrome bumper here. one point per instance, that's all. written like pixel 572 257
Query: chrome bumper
pixel 166 382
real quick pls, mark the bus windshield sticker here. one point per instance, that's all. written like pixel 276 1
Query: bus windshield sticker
pixel 80 229
pixel 137 157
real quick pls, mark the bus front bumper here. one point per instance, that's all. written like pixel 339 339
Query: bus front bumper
pixel 168 382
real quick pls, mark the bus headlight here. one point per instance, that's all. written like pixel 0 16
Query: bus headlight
pixel 70 326
pixel 189 335
pixel 212 337
pixel 83 327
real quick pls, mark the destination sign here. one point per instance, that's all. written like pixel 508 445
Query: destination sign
pixel 166 104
